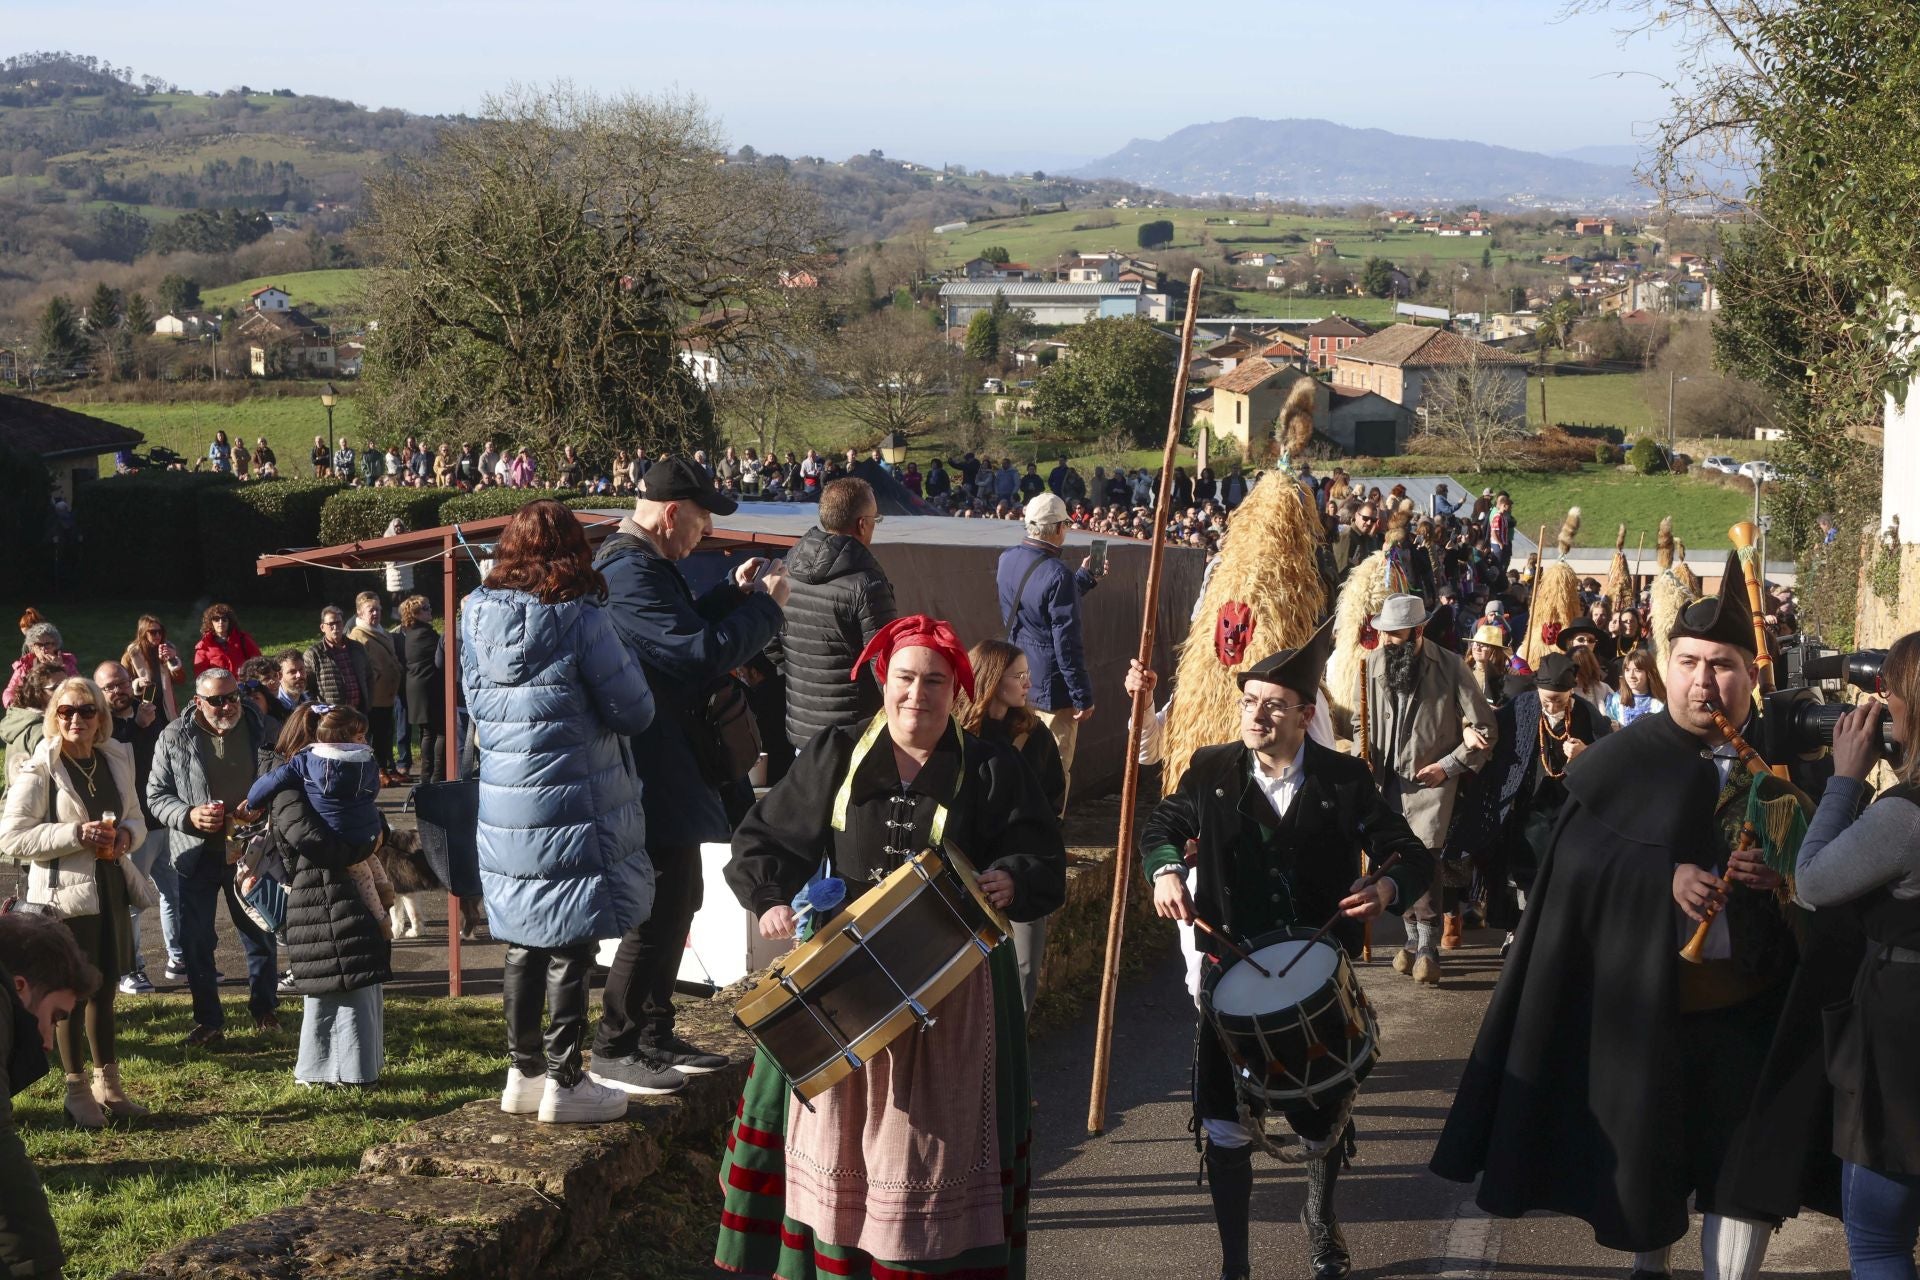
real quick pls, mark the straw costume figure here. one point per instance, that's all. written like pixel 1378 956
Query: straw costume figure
pixel 1556 597
pixel 1671 594
pixel 1619 585
pixel 1263 593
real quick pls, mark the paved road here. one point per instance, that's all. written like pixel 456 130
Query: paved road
pixel 1126 1203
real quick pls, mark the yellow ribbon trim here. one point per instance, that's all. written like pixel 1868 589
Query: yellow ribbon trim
pixel 844 797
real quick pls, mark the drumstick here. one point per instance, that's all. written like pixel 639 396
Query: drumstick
pixel 1231 945
pixel 1335 918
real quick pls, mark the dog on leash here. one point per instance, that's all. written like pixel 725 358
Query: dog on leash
pixel 413 879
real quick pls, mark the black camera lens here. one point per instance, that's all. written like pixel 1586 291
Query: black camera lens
pixel 1812 727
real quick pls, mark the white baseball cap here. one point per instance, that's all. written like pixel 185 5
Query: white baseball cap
pixel 1045 510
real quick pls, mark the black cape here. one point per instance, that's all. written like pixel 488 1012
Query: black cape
pixel 1568 1102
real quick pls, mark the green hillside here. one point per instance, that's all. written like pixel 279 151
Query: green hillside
pixel 329 290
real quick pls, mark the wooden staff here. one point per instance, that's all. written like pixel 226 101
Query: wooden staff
pixel 1744 535
pixel 1366 754
pixel 1239 951
pixel 1695 950
pixel 1142 708
pixel 1639 554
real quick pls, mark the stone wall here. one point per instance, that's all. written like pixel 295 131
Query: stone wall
pixel 479 1195
pixel 1881 622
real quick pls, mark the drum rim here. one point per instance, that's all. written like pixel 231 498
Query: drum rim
pixel 890 1028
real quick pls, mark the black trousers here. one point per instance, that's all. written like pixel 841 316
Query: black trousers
pixel 380 734
pixel 637 1010
pixel 430 751
pixel 537 979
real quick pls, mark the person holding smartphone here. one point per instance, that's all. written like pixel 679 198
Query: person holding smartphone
pixel 1868 863
pixel 155 665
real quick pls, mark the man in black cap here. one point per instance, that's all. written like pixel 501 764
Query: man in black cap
pixel 1517 798
pixel 1612 1080
pixel 687 648
pixel 1279 822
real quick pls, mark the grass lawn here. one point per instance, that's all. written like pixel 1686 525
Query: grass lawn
pixel 289 423
pixel 232 1135
pixel 1260 303
pixel 331 289
pixel 96 631
pixel 1607 497
pixel 1597 400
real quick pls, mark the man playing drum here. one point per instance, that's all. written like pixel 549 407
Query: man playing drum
pixel 917 1163
pixel 1280 822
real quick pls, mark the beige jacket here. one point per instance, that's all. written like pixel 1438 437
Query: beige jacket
pixel 387 671
pixel 62 871
pixel 1405 735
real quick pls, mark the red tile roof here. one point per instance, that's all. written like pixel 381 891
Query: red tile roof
pixel 1412 346
pixel 1247 376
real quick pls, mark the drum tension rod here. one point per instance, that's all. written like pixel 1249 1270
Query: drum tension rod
pixel 846 1051
pixel 921 870
pixel 918 1010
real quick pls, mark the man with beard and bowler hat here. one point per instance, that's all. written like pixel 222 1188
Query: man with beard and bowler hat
pixel 1278 822
pixel 1612 1080
pixel 1429 726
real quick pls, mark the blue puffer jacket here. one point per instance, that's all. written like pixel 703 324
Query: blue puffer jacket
pixel 554 694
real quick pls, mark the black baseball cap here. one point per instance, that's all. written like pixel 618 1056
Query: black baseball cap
pixel 678 480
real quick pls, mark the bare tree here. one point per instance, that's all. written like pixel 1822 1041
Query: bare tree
pixel 893 369
pixel 538 267
pixel 1474 409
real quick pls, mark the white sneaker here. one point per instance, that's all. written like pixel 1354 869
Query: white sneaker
pixel 521 1097
pixel 587 1102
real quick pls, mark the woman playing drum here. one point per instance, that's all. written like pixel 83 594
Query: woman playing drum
pixel 916 1164
pixel 1279 823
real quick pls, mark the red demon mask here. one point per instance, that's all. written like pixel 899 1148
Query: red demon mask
pixel 1232 633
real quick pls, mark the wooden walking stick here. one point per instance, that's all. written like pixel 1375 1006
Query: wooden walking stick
pixel 1142 708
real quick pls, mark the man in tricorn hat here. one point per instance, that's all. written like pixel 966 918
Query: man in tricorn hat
pixel 1421 704
pixel 1277 823
pixel 1612 1079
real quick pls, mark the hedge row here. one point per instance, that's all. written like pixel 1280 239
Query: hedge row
pixel 192 534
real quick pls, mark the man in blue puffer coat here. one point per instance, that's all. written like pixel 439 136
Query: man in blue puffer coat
pixel 554 692
pixel 687 647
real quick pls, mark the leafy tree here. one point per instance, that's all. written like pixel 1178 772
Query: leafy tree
pixel 117 234
pixel 1423 281
pixel 177 293
pixel 1517 298
pixel 867 290
pixel 983 338
pixel 746 154
pixel 56 336
pixel 1474 409
pixel 996 253
pixel 1486 258
pixel 1644 457
pixel 1156 233
pixel 1376 277
pixel 1119 377
pixel 542 267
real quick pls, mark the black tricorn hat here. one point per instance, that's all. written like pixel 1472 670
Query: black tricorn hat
pixel 1578 627
pixel 1723 619
pixel 1297 669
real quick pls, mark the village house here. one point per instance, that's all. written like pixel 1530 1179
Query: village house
pixel 187 324
pixel 1397 363
pixel 1247 402
pixel 1252 258
pixel 70 444
pixel 1398 216
pixel 271 298
pixel 1322 248
pixel 1328 338
pixel 1287 348
pixel 1593 226
pixel 1362 422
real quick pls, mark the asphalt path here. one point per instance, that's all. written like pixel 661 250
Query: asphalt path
pixel 1127 1203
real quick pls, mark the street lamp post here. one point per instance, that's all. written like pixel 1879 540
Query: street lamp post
pixel 329 397
pixel 893 448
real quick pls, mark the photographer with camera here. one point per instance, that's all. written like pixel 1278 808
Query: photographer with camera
pixel 1869 864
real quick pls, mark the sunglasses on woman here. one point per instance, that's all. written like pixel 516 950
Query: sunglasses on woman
pixel 76 713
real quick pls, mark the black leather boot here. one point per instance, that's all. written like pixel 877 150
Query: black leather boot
pixel 1326 1243
pixel 523 994
pixel 568 972
pixel 1230 1179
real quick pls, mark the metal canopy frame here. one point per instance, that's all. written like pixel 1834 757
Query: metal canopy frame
pixel 445 543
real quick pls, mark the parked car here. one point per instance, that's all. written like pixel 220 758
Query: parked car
pixel 993 386
pixel 1722 463
pixel 1763 471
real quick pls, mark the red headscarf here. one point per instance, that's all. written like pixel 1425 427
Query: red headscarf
pixel 915 630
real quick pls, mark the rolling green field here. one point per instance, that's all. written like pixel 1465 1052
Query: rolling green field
pixel 1277 304
pixel 289 423
pixel 1042 237
pixel 1596 400
pixel 329 289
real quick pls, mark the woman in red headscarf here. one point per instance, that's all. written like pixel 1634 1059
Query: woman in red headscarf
pixel 895 1171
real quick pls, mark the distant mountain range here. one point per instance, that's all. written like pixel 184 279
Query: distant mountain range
pixel 1325 163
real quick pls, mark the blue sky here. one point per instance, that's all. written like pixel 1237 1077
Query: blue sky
pixel 1004 85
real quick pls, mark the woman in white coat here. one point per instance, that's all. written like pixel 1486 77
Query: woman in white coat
pixel 73 813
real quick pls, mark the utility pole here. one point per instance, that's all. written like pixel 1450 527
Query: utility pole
pixel 1545 421
pixel 1670 384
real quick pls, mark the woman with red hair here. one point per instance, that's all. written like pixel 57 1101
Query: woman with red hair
pixel 895 1170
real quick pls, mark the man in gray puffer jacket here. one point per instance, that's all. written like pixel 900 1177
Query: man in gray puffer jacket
pixel 840 598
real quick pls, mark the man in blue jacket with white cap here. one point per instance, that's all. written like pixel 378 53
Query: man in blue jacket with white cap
pixel 1040 607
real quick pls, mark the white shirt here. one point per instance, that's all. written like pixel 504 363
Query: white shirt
pixel 1281 788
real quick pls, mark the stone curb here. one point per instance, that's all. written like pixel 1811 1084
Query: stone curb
pixel 476 1194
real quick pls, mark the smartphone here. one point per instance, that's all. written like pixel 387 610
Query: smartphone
pixel 1098 557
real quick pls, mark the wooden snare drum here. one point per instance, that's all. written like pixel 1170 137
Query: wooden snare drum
pixel 875 970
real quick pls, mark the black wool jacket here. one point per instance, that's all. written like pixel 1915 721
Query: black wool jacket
pixel 840 597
